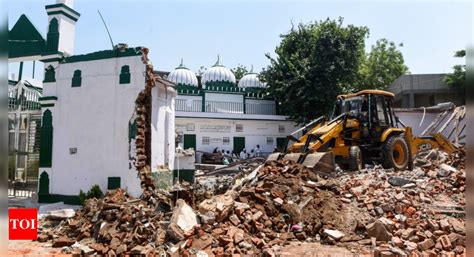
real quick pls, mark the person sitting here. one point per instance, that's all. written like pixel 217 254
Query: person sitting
pixel 215 150
pixel 251 154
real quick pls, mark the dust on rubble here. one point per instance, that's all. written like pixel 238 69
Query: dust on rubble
pixel 268 209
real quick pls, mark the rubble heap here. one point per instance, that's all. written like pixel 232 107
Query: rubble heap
pixel 394 213
pixel 284 201
pixel 413 212
pixel 113 225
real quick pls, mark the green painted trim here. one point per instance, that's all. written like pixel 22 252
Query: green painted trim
pixel 76 79
pixel 113 183
pixel 105 54
pixel 225 92
pixel 218 118
pixel 243 102
pixel 65 14
pixel 24 39
pixel 44 98
pixel 54 198
pixel 52 41
pixel 43 184
pixel 56 59
pixel 124 77
pixel 203 109
pixel 49 74
pixel 46 139
pixel 50 6
pixel 47 105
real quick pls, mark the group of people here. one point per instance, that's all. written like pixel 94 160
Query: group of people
pixel 236 156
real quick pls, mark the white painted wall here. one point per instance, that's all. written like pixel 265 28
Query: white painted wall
pixel 254 131
pixel 162 128
pixel 94 119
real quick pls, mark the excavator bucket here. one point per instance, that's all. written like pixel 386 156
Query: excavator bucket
pixel 280 156
pixel 322 163
pixel 292 157
pixel 273 157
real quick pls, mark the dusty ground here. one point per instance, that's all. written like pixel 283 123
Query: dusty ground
pixel 33 248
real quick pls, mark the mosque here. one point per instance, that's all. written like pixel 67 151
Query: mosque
pixel 215 110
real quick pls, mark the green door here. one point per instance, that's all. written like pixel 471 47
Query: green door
pixel 239 144
pixel 189 142
pixel 281 141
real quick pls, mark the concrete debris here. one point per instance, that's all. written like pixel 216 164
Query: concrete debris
pixel 60 214
pixel 393 213
pixel 336 234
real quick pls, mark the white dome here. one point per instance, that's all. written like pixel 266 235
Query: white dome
pixel 218 72
pixel 184 76
pixel 250 80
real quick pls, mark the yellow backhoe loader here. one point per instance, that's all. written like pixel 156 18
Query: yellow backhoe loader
pixel 364 129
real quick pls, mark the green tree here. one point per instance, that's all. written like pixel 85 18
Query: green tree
pixel 201 71
pixel 381 66
pixel 315 62
pixel 458 77
pixel 239 71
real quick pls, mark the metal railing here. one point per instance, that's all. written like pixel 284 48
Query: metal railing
pixel 26 101
pixel 253 108
pixel 224 107
pixel 188 105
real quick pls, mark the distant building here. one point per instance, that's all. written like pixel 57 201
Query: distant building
pixel 418 90
pixel 215 110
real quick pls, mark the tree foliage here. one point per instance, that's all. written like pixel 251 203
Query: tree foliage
pixel 201 71
pixel 240 71
pixel 458 77
pixel 315 62
pixel 381 66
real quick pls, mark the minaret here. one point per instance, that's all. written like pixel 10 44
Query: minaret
pixel 62 20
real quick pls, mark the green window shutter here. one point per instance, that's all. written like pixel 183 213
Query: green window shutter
pixel 46 139
pixel 113 183
pixel 125 75
pixel 50 74
pixel 76 79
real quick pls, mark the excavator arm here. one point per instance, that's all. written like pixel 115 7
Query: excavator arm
pixel 419 144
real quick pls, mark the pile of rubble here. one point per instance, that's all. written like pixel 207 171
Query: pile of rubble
pixel 114 225
pixel 413 212
pixel 392 213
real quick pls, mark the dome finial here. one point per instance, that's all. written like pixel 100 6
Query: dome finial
pixel 181 65
pixel 218 60
pixel 251 69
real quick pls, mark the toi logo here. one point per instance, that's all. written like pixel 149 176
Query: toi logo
pixel 23 224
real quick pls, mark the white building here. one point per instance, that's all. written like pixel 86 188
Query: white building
pixel 223 113
pixel 105 114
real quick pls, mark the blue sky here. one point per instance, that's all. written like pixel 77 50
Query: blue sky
pixel 243 31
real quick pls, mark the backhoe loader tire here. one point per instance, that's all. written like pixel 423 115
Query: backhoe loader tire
pixel 396 153
pixel 356 162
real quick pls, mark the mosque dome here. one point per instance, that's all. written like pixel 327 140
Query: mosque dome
pixel 183 76
pixel 251 80
pixel 218 73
